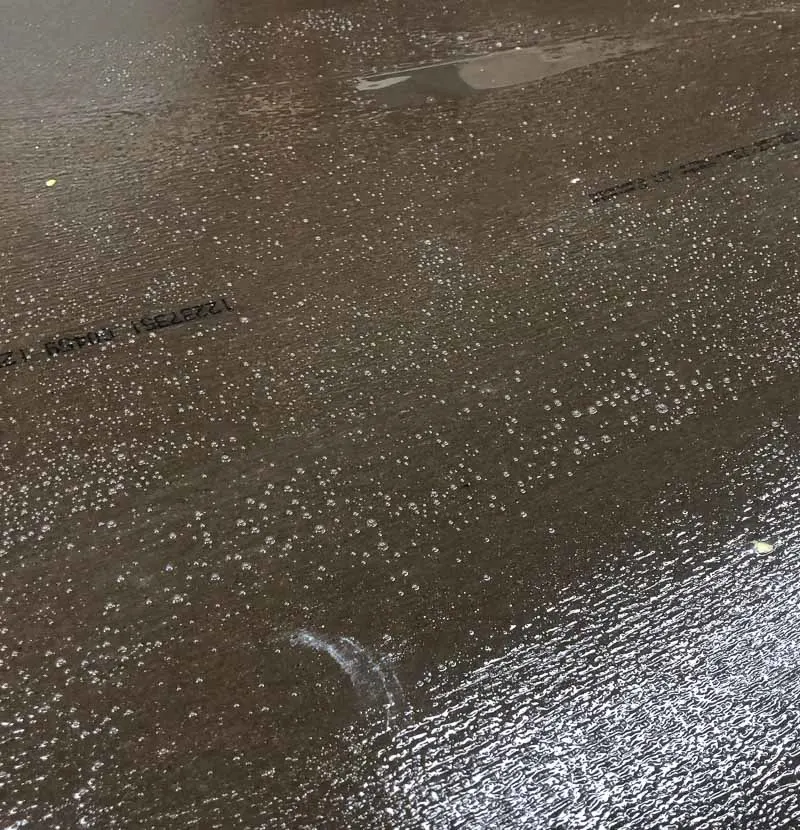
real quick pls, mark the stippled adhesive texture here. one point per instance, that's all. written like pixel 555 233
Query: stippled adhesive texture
pixel 478 507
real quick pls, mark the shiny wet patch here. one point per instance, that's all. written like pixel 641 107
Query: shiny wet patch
pixel 496 70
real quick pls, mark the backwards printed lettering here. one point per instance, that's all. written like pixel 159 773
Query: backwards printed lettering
pixel 66 344
pixel 690 167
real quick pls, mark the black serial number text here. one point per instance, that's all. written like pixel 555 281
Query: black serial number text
pixel 181 316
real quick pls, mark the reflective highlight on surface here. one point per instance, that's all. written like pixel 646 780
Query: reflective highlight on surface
pixel 495 70
pixel 656 698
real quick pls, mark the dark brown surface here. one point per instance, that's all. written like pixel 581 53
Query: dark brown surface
pixel 501 437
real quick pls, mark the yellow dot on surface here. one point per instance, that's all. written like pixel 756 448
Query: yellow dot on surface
pixel 50 182
pixel 763 547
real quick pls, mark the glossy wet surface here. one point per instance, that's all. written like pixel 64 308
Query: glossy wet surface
pixel 479 507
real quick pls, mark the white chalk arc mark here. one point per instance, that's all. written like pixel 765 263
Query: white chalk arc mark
pixel 374 683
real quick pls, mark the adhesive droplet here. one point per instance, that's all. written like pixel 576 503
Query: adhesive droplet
pixel 50 182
